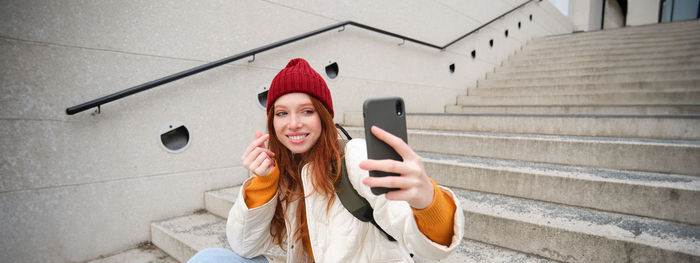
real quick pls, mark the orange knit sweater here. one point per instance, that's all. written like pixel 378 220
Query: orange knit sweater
pixel 435 221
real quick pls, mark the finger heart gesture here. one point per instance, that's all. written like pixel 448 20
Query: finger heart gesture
pixel 257 158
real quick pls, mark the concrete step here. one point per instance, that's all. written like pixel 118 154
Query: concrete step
pixel 683 127
pixel 563 64
pixel 587 49
pixel 612 49
pixel 654 195
pixel 219 202
pixel 664 156
pixel 580 42
pixel 654 33
pixel 195 232
pixel 145 253
pixel 505 72
pixel 593 78
pixel 666 57
pixel 660 28
pixel 623 98
pixel 184 236
pixel 629 32
pixel 588 88
pixel 574 234
pixel 471 251
pixel 578 109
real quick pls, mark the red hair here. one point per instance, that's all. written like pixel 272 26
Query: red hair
pixel 324 168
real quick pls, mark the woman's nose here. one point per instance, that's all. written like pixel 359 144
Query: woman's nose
pixel 294 121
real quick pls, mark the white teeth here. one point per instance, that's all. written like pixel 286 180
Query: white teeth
pixel 297 137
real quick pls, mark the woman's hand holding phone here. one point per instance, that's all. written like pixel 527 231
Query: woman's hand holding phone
pixel 415 186
pixel 257 158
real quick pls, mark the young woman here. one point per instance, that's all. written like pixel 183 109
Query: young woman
pixel 291 199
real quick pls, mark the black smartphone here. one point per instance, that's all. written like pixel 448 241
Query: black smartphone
pixel 390 115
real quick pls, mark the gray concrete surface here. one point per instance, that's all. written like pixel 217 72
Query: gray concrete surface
pixel 578 109
pixel 589 89
pixel 146 253
pixel 636 126
pixel 665 97
pixel 575 234
pixel 666 156
pixel 655 195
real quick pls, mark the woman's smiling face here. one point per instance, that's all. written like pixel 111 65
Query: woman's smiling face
pixel 297 124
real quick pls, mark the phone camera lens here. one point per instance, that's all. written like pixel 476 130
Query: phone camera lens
pixel 399 108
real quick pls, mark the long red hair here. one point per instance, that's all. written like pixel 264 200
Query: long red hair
pixel 324 168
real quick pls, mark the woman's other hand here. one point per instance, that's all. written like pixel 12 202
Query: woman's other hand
pixel 257 158
pixel 415 186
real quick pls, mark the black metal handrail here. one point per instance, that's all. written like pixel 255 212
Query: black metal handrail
pixel 152 84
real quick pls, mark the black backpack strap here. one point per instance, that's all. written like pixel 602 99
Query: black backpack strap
pixel 351 200
pixel 347 136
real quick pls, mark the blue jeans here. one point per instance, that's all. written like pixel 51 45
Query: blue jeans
pixel 212 255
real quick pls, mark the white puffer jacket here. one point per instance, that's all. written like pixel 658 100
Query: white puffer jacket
pixel 336 235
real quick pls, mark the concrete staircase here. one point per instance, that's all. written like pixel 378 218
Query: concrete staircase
pixel 581 148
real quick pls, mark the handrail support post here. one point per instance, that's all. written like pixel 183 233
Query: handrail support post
pixel 250 61
pixel 97 111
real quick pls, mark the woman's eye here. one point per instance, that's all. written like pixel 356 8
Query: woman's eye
pixel 280 114
pixel 308 112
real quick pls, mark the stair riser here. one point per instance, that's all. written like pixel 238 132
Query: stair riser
pixel 612 155
pixel 609 50
pixel 682 56
pixel 664 128
pixel 633 38
pixel 658 29
pixel 653 158
pixel 561 244
pixel 171 245
pixel 594 79
pixel 592 44
pixel 549 90
pixel 612 43
pixel 217 206
pixel 666 98
pixel 643 200
pixel 676 29
pixel 503 73
pixel 575 65
pixel 631 110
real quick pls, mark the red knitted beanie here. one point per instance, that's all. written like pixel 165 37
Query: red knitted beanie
pixel 298 76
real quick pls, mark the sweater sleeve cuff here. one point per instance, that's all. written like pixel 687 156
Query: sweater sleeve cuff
pixel 436 221
pixel 433 214
pixel 267 180
pixel 260 189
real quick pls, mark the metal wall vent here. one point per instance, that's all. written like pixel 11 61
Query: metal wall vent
pixel 332 70
pixel 262 96
pixel 175 137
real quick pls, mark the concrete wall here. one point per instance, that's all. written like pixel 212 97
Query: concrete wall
pixel 586 15
pixel 642 12
pixel 614 16
pixel 76 187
